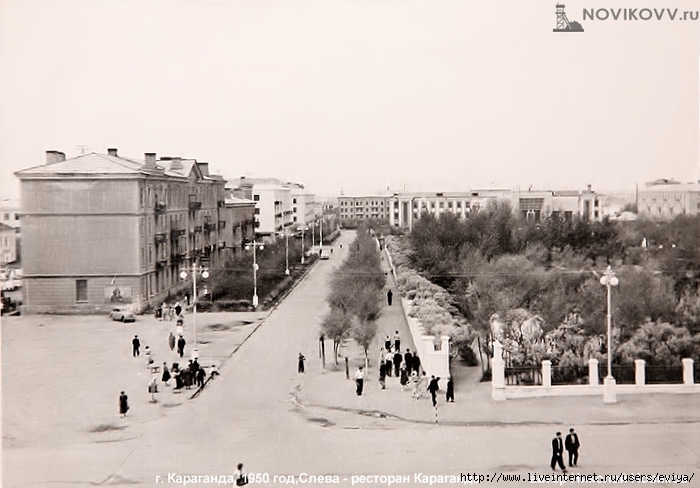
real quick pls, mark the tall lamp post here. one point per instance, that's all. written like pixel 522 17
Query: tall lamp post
pixel 205 274
pixel 286 252
pixel 609 395
pixel 260 246
pixel 302 243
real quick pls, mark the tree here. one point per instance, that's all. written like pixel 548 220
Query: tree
pixel 363 333
pixel 336 325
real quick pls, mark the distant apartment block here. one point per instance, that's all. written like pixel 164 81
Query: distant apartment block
pixel 280 207
pixel 101 230
pixel 666 199
pixel 402 209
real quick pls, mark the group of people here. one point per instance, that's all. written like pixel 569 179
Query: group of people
pixel 167 311
pixel 571 444
pixel 185 377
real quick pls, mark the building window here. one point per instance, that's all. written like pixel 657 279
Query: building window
pixel 256 198
pixel 81 294
pixel 6 216
pixel 257 211
pixel 294 200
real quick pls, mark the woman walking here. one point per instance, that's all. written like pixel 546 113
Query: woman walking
pixel 123 404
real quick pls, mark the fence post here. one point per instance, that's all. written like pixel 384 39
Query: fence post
pixel 546 372
pixel 593 372
pixel 688 378
pixel 639 372
pixel 498 374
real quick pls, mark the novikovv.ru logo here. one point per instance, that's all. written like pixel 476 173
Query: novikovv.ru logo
pixel 563 24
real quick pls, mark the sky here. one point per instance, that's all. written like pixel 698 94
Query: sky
pixel 356 96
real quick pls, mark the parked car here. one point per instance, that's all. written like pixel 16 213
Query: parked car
pixel 122 315
pixel 325 256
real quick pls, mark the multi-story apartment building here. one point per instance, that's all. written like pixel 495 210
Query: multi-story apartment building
pixel 352 208
pixel 666 199
pixel 280 207
pixel 402 209
pixel 100 229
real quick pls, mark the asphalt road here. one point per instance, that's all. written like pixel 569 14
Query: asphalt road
pixel 250 415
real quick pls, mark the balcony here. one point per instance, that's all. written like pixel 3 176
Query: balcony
pixel 176 233
pixel 194 206
pixel 160 207
pixel 209 227
pixel 162 263
pixel 160 238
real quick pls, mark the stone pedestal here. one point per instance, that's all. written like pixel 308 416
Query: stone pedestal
pixel 546 372
pixel 593 378
pixel 688 373
pixel 498 374
pixel 639 372
pixel 609 393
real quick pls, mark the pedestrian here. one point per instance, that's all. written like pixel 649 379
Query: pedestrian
pixel 166 374
pixel 153 387
pixel 572 444
pixel 397 341
pixel 408 359
pixel 147 355
pixel 450 395
pixel 123 404
pixel 179 325
pixel 301 363
pixel 433 388
pixel 136 343
pixel 200 377
pixel 414 384
pixel 557 452
pixel 240 477
pixel 214 372
pixel 387 343
pixel 416 363
pixel 178 309
pixel 420 387
pixel 171 341
pixel 359 380
pixel 389 297
pixel 382 374
pixel 397 361
pixel 181 346
pixel 161 311
pixel 403 378
pixel 389 358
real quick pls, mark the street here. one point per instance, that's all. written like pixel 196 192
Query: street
pixel 62 377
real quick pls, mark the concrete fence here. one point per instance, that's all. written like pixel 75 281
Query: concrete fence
pixel 500 391
pixel 434 361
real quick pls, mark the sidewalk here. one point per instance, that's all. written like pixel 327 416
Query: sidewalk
pixel 331 391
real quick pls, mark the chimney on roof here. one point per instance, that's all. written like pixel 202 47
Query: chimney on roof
pixel 54 157
pixel 589 188
pixel 150 160
pixel 176 163
pixel 112 151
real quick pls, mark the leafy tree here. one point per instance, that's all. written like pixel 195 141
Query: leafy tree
pixel 660 343
pixel 336 325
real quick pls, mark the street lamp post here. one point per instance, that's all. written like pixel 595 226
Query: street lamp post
pixel 286 252
pixel 205 275
pixel 609 280
pixel 313 232
pixel 260 246
pixel 302 244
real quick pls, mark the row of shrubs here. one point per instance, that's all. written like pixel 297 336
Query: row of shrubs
pixel 431 304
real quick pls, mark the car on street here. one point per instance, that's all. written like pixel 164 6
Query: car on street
pixel 122 315
pixel 325 256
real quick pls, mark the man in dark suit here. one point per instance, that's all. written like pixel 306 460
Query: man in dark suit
pixel 572 444
pixel 397 362
pixel 557 453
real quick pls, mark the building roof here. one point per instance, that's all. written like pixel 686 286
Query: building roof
pixel 104 164
pixel 238 201
pixel 91 163
pixel 671 187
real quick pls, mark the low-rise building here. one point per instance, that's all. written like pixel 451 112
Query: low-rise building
pixel 666 199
